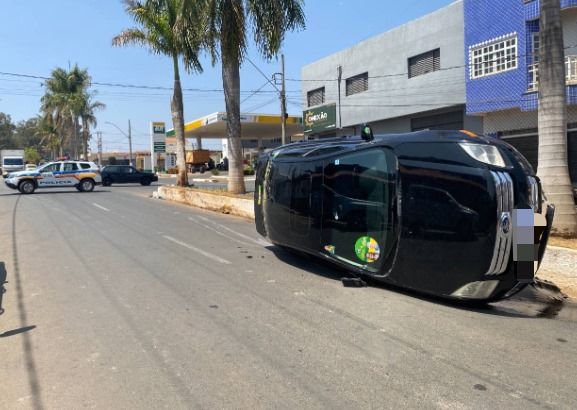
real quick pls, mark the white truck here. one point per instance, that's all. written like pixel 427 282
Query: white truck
pixel 11 160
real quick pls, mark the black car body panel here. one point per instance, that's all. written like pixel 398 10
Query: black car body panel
pixel 126 174
pixel 442 212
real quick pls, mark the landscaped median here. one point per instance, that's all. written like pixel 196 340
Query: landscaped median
pixel 219 201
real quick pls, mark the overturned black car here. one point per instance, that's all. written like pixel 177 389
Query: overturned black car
pixel 447 213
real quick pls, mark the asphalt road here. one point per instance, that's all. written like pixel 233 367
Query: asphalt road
pixel 117 300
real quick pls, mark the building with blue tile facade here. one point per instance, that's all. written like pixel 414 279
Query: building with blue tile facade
pixel 501 54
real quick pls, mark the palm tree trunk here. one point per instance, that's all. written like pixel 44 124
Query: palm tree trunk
pixel 552 118
pixel 177 108
pixel 84 139
pixel 231 85
pixel 74 136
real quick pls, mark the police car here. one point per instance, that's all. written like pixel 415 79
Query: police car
pixel 82 175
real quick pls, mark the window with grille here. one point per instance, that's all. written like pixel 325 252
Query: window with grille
pixel 357 84
pixel 425 63
pixel 535 45
pixel 533 69
pixel 493 58
pixel 316 97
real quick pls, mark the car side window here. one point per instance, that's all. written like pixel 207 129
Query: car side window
pixel 84 165
pixel 51 168
pixel 70 166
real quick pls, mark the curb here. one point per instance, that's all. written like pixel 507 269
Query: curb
pixel 213 202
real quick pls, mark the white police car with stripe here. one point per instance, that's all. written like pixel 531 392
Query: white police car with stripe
pixel 83 175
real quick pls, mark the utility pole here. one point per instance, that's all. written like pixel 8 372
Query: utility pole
pixel 129 136
pixel 130 145
pixel 283 103
pixel 340 76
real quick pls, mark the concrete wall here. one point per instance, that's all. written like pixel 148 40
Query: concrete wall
pixel 391 94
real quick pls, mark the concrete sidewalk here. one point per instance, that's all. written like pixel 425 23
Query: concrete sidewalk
pixel 559 266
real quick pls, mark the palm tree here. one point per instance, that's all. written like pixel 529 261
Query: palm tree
pixel 229 22
pixel 168 27
pixel 63 99
pixel 87 107
pixel 552 119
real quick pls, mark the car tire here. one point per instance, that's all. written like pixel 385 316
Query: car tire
pixel 145 181
pixel 26 187
pixel 86 185
pixel 107 181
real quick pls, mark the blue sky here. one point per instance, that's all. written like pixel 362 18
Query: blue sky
pixel 37 36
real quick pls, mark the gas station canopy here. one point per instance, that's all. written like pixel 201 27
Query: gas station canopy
pixel 253 126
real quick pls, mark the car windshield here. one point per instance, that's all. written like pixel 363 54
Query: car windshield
pixel 13 161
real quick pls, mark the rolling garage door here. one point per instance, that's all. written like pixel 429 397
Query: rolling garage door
pixel 526 145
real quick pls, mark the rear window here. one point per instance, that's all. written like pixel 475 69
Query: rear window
pixel 70 166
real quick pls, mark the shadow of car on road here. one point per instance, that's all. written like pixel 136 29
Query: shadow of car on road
pixel 540 299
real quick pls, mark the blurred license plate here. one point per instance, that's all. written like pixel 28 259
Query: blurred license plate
pixel 528 228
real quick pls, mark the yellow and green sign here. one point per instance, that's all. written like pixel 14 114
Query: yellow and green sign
pixel 320 119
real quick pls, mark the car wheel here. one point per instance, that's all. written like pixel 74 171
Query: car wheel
pixel 26 187
pixel 107 181
pixel 145 181
pixel 86 185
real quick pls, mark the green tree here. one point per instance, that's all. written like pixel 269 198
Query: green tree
pixel 31 155
pixel 6 131
pixel 228 24
pixel 170 28
pixel 552 119
pixel 25 133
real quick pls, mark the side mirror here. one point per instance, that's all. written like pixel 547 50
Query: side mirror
pixel 367 133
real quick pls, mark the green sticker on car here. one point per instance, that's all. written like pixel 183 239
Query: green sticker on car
pixel 367 249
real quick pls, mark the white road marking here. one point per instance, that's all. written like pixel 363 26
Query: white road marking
pixel 195 249
pixel 259 241
pixel 101 207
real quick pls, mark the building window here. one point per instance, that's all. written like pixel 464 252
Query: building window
pixel 493 57
pixel 425 63
pixel 357 84
pixel 533 71
pixel 535 47
pixel 316 97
